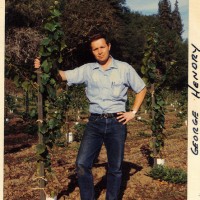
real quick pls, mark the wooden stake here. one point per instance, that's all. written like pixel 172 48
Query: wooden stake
pixel 153 115
pixel 40 136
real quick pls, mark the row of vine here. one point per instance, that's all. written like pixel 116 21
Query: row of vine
pixel 155 70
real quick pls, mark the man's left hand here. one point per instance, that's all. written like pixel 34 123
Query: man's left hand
pixel 125 117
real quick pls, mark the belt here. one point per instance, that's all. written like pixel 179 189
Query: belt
pixel 105 115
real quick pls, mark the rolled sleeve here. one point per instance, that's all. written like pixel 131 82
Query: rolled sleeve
pixel 135 81
pixel 76 76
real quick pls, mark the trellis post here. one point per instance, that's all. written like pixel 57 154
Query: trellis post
pixel 40 136
pixel 153 115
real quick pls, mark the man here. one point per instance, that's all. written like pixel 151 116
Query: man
pixel 107 82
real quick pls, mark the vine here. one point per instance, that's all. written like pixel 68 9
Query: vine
pixel 155 70
pixel 52 99
pixel 55 99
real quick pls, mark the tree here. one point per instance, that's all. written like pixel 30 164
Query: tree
pixel 177 25
pixel 82 18
pixel 171 30
pixel 26 13
pixel 164 13
pixel 22 38
pixel 134 37
pixel 178 78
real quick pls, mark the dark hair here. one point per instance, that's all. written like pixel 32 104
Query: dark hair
pixel 98 36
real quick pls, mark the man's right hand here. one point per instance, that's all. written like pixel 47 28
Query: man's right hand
pixel 37 63
pixel 61 74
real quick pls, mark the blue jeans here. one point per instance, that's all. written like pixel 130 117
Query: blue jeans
pixel 113 134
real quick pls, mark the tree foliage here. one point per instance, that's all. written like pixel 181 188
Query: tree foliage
pixel 164 13
pixel 170 20
pixel 83 18
pixel 126 29
pixel 177 25
pixel 22 46
pixel 26 13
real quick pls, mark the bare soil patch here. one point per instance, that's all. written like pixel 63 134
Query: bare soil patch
pixel 20 168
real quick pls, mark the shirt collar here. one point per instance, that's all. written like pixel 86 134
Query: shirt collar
pixel 113 65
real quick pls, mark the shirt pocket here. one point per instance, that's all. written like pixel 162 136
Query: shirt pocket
pixel 117 88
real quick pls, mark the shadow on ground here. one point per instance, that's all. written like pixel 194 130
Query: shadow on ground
pixel 101 185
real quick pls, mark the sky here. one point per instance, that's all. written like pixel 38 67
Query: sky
pixel 149 7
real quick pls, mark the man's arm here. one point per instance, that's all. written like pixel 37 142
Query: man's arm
pixel 127 116
pixel 139 99
pixel 62 74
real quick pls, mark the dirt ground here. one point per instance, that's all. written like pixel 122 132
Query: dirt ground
pixel 20 168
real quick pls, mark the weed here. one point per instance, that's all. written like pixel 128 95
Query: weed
pixel 168 174
pixel 143 134
pixel 177 125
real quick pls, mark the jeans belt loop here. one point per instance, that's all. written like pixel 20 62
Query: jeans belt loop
pixel 106 115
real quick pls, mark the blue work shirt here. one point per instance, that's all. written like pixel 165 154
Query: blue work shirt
pixel 106 89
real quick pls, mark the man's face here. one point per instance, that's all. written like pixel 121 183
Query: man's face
pixel 101 50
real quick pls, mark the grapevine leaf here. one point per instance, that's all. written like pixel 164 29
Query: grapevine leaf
pixel 25 85
pixel 33 112
pixel 52 81
pixel 56 12
pixel 63 45
pixel 52 123
pixel 45 41
pixel 16 80
pixel 43 129
pixel 50 26
pixel 143 69
pixel 51 91
pixel 60 59
pixel 45 66
pixel 45 78
pixel 41 89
